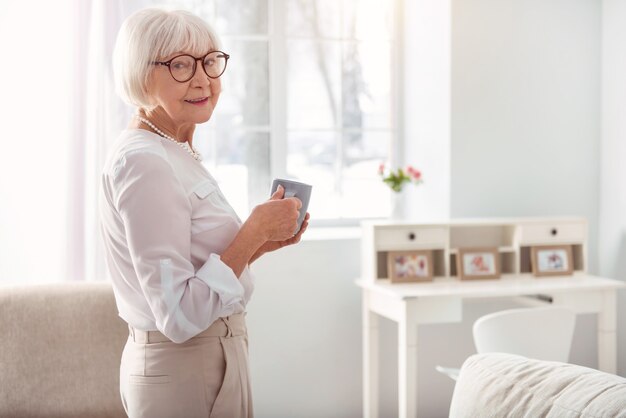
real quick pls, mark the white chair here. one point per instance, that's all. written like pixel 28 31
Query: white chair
pixel 542 333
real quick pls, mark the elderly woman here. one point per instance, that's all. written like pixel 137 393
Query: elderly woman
pixel 177 253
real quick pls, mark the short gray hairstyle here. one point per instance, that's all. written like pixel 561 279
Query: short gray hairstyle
pixel 150 35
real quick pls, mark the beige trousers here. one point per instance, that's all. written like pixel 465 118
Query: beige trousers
pixel 206 376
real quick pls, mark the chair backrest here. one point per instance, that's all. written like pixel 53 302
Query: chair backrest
pixel 543 333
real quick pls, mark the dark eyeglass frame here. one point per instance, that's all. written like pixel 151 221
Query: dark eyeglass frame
pixel 195 64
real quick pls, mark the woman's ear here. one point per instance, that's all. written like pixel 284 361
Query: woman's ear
pixel 151 102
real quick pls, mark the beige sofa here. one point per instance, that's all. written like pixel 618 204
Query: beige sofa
pixel 60 351
pixel 62 343
pixel 504 385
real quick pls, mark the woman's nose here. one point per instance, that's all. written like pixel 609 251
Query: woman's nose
pixel 200 76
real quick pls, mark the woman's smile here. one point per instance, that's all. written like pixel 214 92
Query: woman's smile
pixel 201 101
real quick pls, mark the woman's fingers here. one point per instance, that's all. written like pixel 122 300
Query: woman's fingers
pixel 276 245
pixel 297 201
pixel 277 218
pixel 305 225
pixel 279 193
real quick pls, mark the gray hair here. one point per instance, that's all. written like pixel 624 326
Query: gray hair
pixel 150 35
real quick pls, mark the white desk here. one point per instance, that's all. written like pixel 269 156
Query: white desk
pixel 441 301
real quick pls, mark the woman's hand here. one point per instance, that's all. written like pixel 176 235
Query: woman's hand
pixel 270 224
pixel 270 246
pixel 276 219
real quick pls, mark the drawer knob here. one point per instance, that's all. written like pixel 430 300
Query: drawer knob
pixel 554 232
pixel 412 236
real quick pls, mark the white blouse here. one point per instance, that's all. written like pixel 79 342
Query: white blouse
pixel 165 222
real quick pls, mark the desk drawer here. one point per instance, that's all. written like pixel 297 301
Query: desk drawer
pixel 410 238
pixel 552 233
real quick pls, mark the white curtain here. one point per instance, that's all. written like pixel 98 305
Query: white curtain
pixel 35 84
pixel 98 117
pixel 59 114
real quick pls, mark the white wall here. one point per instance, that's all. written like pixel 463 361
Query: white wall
pixel 524 108
pixel 612 243
pixel 304 325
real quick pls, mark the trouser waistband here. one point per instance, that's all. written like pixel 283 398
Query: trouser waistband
pixel 229 326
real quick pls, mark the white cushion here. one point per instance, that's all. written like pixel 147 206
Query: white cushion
pixel 506 385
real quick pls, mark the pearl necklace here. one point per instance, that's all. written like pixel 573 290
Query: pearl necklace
pixel 183 145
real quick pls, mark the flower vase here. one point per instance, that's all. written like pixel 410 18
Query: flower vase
pixel 397 206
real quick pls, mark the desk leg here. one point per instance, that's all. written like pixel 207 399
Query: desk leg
pixel 370 360
pixel 407 368
pixel 607 336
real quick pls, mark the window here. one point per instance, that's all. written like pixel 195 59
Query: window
pixel 308 95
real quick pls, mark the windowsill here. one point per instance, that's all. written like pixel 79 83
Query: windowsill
pixel 333 233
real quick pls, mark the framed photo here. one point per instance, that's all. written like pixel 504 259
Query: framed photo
pixel 410 266
pixel 553 260
pixel 478 263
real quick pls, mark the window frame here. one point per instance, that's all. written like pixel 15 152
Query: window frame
pixel 277 40
pixel 277 10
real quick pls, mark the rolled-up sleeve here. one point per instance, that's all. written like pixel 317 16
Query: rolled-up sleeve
pixel 156 213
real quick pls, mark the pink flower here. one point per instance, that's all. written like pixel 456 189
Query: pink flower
pixel 397 178
pixel 416 174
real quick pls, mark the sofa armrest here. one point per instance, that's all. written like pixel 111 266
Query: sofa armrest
pixel 506 385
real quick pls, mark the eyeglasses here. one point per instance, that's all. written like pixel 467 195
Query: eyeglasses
pixel 183 67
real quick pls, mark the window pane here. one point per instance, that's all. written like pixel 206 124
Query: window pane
pixel 366 85
pixel 243 168
pixel 202 8
pixel 343 189
pixel 366 145
pixel 363 197
pixel 312 158
pixel 245 85
pixel 314 18
pixel 368 19
pixel 363 192
pixel 241 17
pixel 313 84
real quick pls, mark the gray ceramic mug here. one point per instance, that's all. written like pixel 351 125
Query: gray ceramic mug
pixel 295 189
